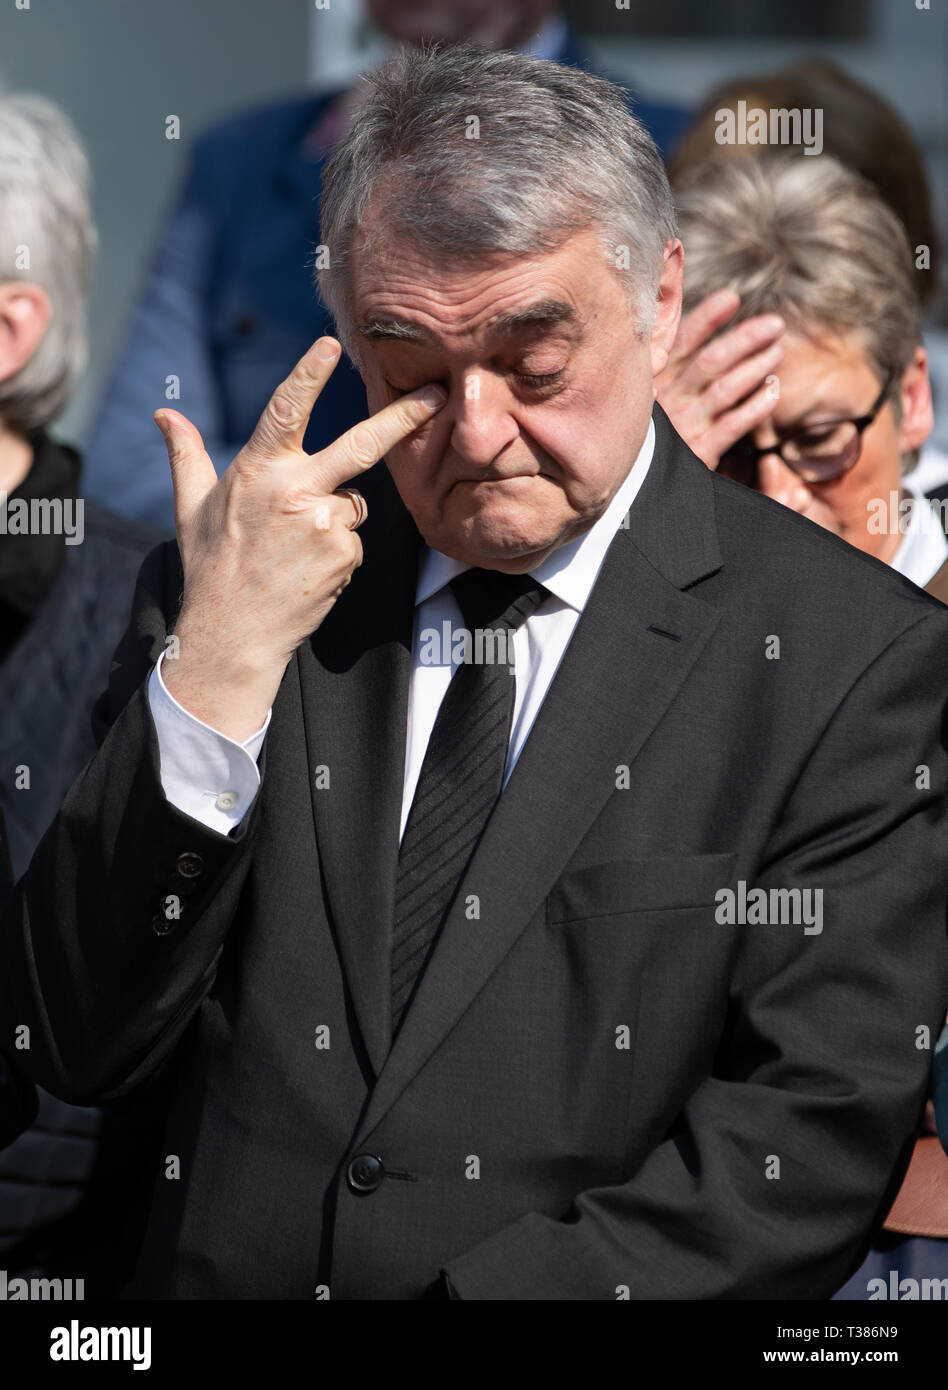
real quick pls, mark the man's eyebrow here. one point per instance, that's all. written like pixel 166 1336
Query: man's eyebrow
pixel 544 313
pixel 403 330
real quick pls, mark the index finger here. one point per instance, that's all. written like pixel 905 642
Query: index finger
pixel 363 445
pixel 282 425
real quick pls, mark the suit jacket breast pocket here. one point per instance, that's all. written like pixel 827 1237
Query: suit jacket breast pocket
pixel 620 887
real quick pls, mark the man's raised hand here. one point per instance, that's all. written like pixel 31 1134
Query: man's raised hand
pixel 268 547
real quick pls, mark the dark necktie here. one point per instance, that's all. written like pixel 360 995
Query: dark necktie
pixel 462 773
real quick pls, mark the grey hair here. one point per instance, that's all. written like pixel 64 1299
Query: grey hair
pixel 556 151
pixel 47 237
pixel 807 239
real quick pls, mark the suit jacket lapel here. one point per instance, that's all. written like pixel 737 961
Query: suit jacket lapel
pixel 354 674
pixel 631 651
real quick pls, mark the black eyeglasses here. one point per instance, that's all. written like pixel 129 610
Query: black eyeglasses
pixel 819 453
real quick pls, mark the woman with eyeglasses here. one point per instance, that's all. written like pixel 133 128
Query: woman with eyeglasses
pixel 812 245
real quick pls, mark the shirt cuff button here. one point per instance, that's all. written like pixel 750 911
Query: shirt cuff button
pixel 226 801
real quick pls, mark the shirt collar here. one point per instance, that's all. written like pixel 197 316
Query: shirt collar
pixel 570 571
pixel 923 548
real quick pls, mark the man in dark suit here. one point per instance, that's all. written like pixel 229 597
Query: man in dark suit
pixel 602 967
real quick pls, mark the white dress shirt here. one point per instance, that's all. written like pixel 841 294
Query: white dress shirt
pixel 924 547
pixel 213 779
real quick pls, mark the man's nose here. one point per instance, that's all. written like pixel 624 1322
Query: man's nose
pixel 482 422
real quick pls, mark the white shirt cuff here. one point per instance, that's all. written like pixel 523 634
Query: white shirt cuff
pixel 204 773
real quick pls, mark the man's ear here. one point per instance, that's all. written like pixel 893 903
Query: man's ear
pixel 915 400
pixel 25 314
pixel 668 306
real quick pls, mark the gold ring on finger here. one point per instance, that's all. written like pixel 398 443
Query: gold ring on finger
pixel 359 502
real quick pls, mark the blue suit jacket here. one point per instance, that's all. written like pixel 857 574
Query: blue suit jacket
pixel 230 304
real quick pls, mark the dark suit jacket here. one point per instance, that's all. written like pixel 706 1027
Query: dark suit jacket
pixel 747 1139
pixel 18 1100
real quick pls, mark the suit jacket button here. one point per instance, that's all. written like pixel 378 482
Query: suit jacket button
pixel 365 1173
pixel 190 865
pixel 162 925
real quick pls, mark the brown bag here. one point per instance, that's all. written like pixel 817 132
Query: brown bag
pixel 921 1207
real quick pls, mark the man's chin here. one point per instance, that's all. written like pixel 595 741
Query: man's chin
pixel 493 546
